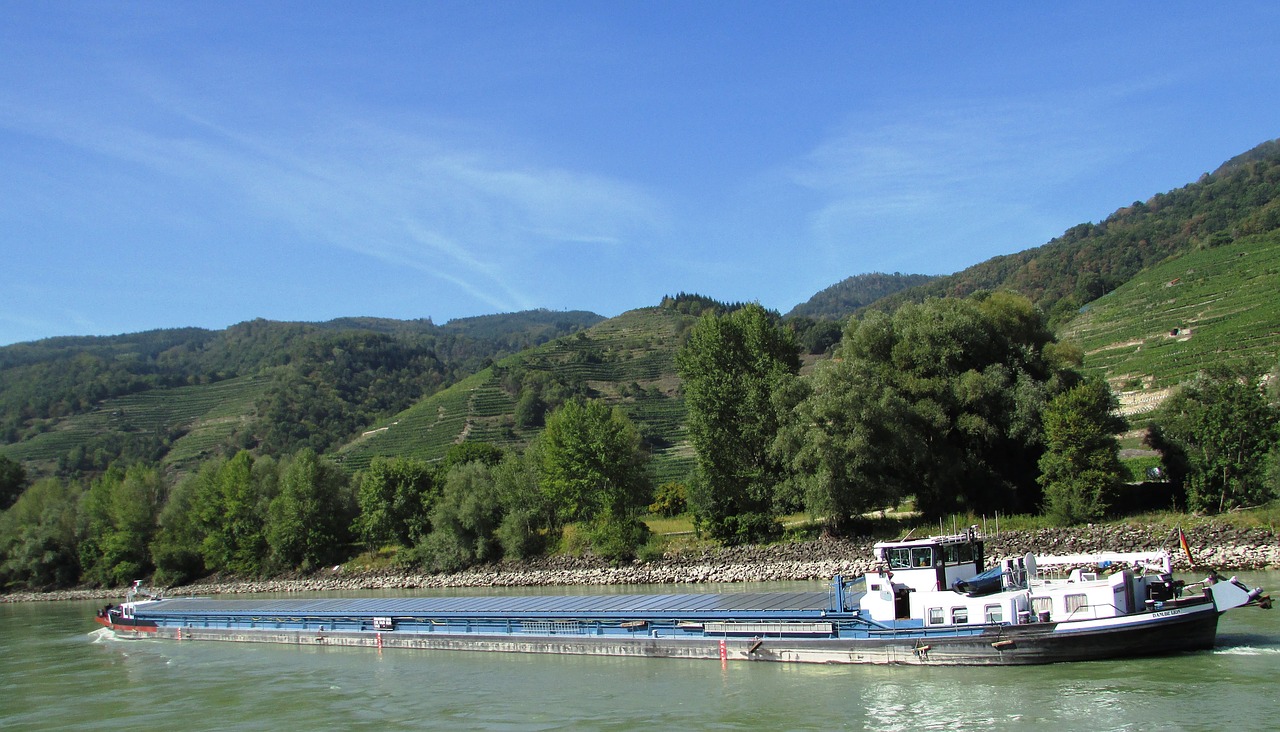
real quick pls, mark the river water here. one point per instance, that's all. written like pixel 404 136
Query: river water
pixel 58 672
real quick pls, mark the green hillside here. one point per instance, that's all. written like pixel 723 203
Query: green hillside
pixel 1212 304
pixel 175 397
pixel 178 426
pixel 627 361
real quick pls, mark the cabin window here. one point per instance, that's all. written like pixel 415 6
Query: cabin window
pixel 1041 605
pixel 994 613
pixel 1076 602
pixel 959 553
pixel 959 615
pixel 935 616
pixel 922 556
pixel 899 558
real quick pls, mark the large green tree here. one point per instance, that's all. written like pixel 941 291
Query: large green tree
pixel 1216 432
pixel 528 513
pixel 307 522
pixel 942 401
pixel 38 537
pixel 395 497
pixel 1081 466
pixel 231 505
pixel 464 521
pixel 731 366
pixel 846 443
pixel 592 462
pixel 119 513
pixel 176 550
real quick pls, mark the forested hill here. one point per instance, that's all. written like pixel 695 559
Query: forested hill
pixel 76 403
pixel 1240 198
pixel 852 294
pixel 627 361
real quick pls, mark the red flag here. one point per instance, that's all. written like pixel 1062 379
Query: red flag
pixel 1182 539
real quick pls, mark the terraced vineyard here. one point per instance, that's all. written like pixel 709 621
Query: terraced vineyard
pixel 206 414
pixel 627 361
pixel 1158 329
pixel 232 406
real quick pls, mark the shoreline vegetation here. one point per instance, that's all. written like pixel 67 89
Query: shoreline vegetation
pixel 1214 546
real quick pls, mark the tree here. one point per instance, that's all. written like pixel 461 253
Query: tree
pixel 471 452
pixel 731 366
pixel 176 549
pixel 1081 466
pixel 13 479
pixel 973 376
pixel 592 463
pixel 38 537
pixel 307 521
pixel 395 497
pixel 1216 432
pixel 120 511
pixel 846 444
pixel 465 520
pixel 231 504
pixel 670 499
pixel 527 513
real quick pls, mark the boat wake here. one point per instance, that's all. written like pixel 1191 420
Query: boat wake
pixel 1247 651
pixel 104 635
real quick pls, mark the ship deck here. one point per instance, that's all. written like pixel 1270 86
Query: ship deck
pixel 692 606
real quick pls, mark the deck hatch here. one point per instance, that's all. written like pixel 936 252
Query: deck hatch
pixel 768 628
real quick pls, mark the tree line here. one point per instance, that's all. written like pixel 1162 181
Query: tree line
pixel 957 405
pixel 250 515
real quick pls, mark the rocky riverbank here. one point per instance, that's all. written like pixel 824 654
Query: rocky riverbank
pixel 1220 547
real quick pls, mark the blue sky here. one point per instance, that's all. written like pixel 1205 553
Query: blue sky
pixel 199 164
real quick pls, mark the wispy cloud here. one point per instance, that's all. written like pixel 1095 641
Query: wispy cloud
pixel 881 182
pixel 469 217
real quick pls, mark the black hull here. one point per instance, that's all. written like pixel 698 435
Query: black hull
pixel 1049 643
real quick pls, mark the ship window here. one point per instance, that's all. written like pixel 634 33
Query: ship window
pixel 935 616
pixel 994 614
pixel 1041 605
pixel 959 615
pixel 922 556
pixel 1077 602
pixel 900 558
pixel 959 553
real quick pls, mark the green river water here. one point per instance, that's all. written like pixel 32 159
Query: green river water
pixel 58 672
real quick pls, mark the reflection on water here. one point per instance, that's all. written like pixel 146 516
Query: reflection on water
pixel 57 671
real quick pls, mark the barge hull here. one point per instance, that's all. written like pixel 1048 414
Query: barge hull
pixel 996 645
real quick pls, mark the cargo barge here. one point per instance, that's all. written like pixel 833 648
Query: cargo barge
pixel 928 602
